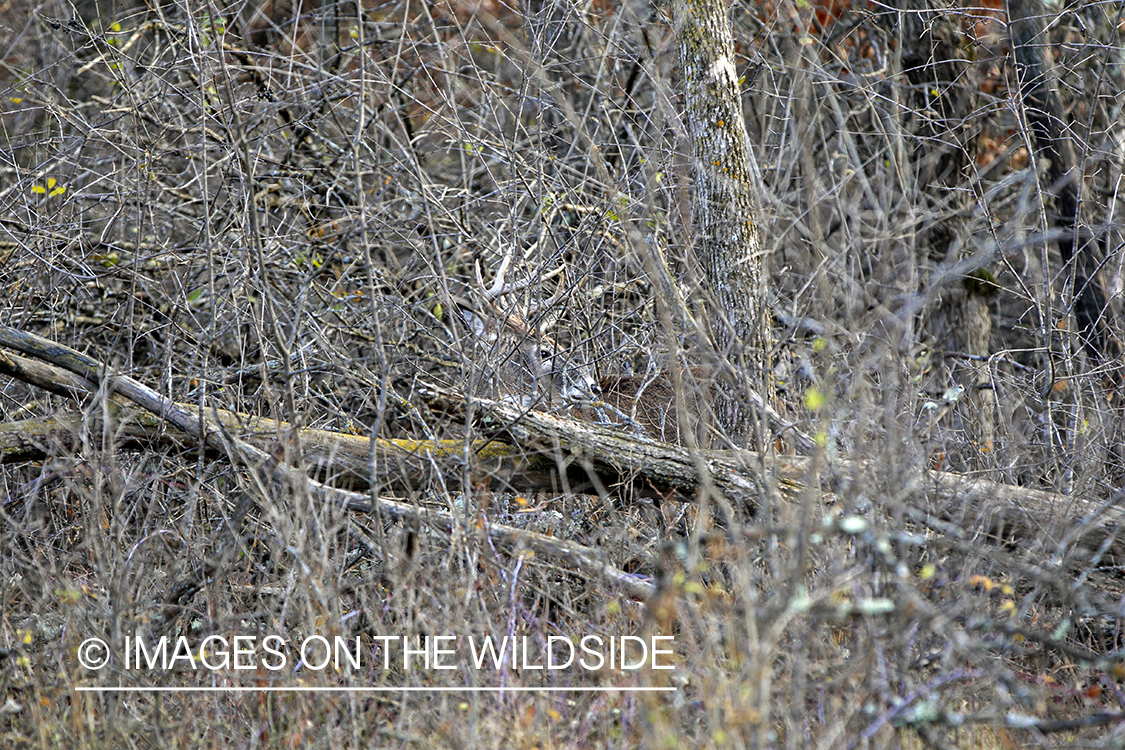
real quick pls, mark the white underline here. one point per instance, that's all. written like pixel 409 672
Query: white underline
pixel 466 689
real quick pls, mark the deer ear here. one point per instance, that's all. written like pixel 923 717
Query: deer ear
pixel 547 321
pixel 476 323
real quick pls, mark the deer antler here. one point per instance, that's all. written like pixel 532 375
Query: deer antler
pixel 499 288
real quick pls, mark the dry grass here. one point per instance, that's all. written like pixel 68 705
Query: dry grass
pixel 273 208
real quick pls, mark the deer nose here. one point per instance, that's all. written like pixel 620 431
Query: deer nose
pixel 584 389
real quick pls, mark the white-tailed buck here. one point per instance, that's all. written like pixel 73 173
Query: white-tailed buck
pixel 523 363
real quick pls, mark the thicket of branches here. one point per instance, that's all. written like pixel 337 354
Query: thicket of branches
pixel 275 209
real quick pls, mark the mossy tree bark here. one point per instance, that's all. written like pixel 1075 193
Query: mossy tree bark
pixel 733 263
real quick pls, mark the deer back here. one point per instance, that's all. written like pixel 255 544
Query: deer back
pixel 647 405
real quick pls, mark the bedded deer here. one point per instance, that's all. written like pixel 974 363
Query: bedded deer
pixel 523 363
pixel 526 365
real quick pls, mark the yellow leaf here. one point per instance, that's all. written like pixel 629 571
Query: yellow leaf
pixel 68 596
pixel 38 189
pixel 814 400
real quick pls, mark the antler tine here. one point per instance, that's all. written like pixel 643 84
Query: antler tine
pixel 542 311
pixel 552 274
pixel 497 289
pixel 547 304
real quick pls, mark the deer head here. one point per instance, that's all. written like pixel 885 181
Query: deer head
pixel 524 363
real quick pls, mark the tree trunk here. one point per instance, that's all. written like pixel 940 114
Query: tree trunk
pixel 933 46
pixel 1048 123
pixel 733 263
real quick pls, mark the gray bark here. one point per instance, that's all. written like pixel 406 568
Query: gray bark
pixel 733 262
pixel 1049 125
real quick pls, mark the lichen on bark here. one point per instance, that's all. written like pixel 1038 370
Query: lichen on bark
pixel 727 239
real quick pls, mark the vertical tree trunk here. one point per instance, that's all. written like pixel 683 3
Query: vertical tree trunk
pixel 1048 123
pixel 932 45
pixel 728 241
pixel 973 337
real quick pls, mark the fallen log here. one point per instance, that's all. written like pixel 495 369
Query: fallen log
pixel 533 451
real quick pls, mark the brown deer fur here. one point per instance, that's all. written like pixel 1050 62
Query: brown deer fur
pixel 526 365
